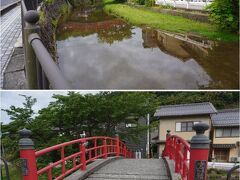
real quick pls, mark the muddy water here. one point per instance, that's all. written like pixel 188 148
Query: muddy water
pixel 98 51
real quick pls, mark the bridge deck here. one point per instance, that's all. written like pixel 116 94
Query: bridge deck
pixel 127 169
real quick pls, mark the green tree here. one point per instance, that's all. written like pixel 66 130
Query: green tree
pixel 220 100
pixel 225 14
pixel 20 117
pixel 98 114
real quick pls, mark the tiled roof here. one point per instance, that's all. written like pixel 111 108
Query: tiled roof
pixel 226 117
pixel 185 109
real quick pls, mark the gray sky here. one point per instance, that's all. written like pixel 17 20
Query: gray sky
pixel 9 98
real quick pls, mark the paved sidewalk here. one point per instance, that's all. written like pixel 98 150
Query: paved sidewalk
pixel 10 31
pixel 6 3
pixel 14 75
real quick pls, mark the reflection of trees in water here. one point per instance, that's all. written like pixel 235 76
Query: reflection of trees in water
pixel 107 31
pixel 88 16
pixel 115 33
pixel 85 3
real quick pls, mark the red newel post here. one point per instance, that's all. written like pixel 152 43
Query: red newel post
pixel 83 155
pixel 27 155
pixel 199 153
pixel 167 144
pixel 104 148
pixel 117 145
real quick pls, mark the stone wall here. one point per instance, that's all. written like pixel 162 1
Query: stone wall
pixel 49 15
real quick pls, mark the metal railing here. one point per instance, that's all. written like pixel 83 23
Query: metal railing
pixel 229 174
pixel 89 149
pixel 41 70
pixel 191 160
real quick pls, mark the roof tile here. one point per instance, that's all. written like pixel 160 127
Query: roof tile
pixel 226 117
pixel 185 109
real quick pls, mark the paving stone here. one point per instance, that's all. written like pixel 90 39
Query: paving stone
pixel 148 169
pixel 17 62
pixel 14 76
pixel 10 31
pixel 15 80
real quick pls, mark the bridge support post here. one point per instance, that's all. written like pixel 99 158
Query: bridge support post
pixel 27 155
pixel 125 151
pixel 177 156
pixel 117 146
pixel 199 150
pixel 31 17
pixel 104 148
pixel 83 155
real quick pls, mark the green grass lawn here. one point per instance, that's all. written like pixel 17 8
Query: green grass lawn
pixel 14 171
pixel 166 22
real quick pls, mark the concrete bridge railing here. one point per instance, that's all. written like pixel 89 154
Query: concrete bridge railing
pixel 41 70
pixel 179 150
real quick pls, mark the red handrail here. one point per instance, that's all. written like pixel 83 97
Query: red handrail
pixel 178 149
pixel 102 148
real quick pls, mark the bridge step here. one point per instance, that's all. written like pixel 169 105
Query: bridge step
pixel 128 169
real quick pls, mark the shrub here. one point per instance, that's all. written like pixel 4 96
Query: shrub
pixel 149 3
pixel 167 6
pixel 49 2
pixel 141 2
pixel 225 14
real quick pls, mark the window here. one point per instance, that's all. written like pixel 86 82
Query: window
pixel 227 132
pixel 221 155
pixel 185 126
pixel 235 132
pixel 178 127
pixel 219 132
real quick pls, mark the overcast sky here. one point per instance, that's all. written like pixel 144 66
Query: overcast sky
pixel 9 98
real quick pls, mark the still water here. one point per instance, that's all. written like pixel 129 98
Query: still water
pixel 98 51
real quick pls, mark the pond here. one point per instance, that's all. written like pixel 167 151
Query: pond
pixel 99 51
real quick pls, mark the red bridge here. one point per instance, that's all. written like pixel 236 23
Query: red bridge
pixel 108 158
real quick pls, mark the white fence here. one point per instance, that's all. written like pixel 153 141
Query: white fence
pixel 218 165
pixel 186 4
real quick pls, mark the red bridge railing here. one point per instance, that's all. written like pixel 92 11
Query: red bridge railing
pixel 178 149
pixel 90 148
pixel 190 159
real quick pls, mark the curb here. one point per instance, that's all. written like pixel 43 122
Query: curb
pixel 9 7
pixel 93 167
pixel 169 172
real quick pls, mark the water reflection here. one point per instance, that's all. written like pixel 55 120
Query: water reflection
pixel 103 52
pixel 108 28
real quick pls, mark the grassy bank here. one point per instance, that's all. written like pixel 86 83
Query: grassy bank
pixel 166 22
pixel 14 171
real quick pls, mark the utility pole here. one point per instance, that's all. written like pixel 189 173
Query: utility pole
pixel 148 137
